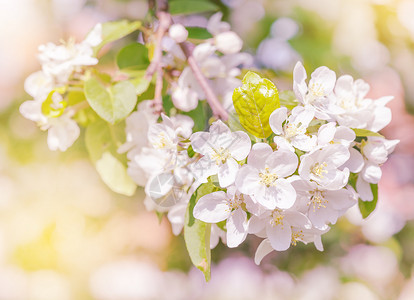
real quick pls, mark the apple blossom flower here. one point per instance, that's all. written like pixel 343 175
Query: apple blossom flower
pixel 263 177
pixel 277 224
pixel 291 131
pixel 320 205
pixel 322 166
pixel 219 206
pixel 178 33
pixel 317 92
pixel 221 149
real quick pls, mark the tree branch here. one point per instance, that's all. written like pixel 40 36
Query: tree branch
pixel 217 108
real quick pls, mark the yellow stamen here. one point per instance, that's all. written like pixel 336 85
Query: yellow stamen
pixel 318 169
pixel 268 178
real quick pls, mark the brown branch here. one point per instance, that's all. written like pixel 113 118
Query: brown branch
pixel 217 108
pixel 155 66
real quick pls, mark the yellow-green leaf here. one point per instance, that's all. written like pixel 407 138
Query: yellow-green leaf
pixel 365 132
pixel 254 101
pixel 115 175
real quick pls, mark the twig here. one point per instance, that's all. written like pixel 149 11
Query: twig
pixel 216 106
pixel 164 19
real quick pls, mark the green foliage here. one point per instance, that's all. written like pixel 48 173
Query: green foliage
pixel 133 57
pixel 197 233
pixel 198 33
pixel 367 207
pixel 187 7
pixel 111 103
pixel 365 132
pixel 112 31
pixel 288 99
pixel 199 116
pixel 137 78
pixel 254 102
pixel 115 175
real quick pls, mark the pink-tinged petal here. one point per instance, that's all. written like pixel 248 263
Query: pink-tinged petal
pixel 200 142
pixel 236 225
pixel 280 236
pixel 63 134
pixel 371 173
pixel 284 194
pixel 241 145
pixel 345 134
pixel 340 199
pixel 304 142
pixel 318 242
pixel 325 77
pixel 231 191
pixel 364 189
pixel 335 154
pixel 355 163
pixel 283 144
pixel 264 249
pixel 176 217
pixel 203 168
pixel 258 155
pixel 339 180
pixel 227 172
pixel 247 180
pixel 303 115
pixel 218 128
pixel 297 219
pixel 299 84
pixel 320 217
pixel 390 145
pixel 282 162
pixel 277 118
pixel 256 225
pixel 252 206
pixel 212 208
pixel 266 196
pixel 326 133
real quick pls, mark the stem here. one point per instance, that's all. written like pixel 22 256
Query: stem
pixel 155 65
pixel 216 106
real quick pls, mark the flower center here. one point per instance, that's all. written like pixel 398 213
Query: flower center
pixel 347 103
pixel 315 91
pixel 162 142
pixel 220 155
pixel 277 218
pixel 236 202
pixel 297 236
pixel 318 169
pixel 317 200
pixel 267 178
pixel 292 130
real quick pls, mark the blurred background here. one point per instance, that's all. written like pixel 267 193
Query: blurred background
pixel 64 235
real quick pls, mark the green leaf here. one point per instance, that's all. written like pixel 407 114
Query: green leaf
pixel 75 97
pixel 197 233
pixel 367 207
pixel 115 175
pixel 365 132
pixel 111 104
pixel 133 56
pixel 112 31
pixel 288 99
pixel 199 116
pixel 254 102
pixel 198 33
pixel 234 124
pixel 138 80
pixel 186 7
pixel 101 137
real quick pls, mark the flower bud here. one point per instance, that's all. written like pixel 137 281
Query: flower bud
pixel 228 42
pixel 178 33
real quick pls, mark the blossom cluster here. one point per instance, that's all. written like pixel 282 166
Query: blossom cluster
pixel 61 64
pixel 287 188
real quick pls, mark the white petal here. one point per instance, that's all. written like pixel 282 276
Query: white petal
pixel 264 249
pixel 241 145
pixel 236 225
pixel 256 225
pixel 326 133
pixel 247 180
pixel 371 173
pixel 340 199
pixel 297 219
pixel 62 134
pixel 299 84
pixel 280 236
pixel 282 162
pixel 320 217
pixel 277 118
pixel 176 217
pixel 364 189
pixel 285 195
pixel 304 142
pixel 212 208
pixel 199 142
pixel 227 172
pixel 355 163
pixel 258 155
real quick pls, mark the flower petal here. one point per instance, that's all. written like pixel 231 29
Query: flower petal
pixel 264 249
pixel 258 155
pixel 282 162
pixel 227 172
pixel 212 208
pixel 277 118
pixel 237 225
pixel 280 236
